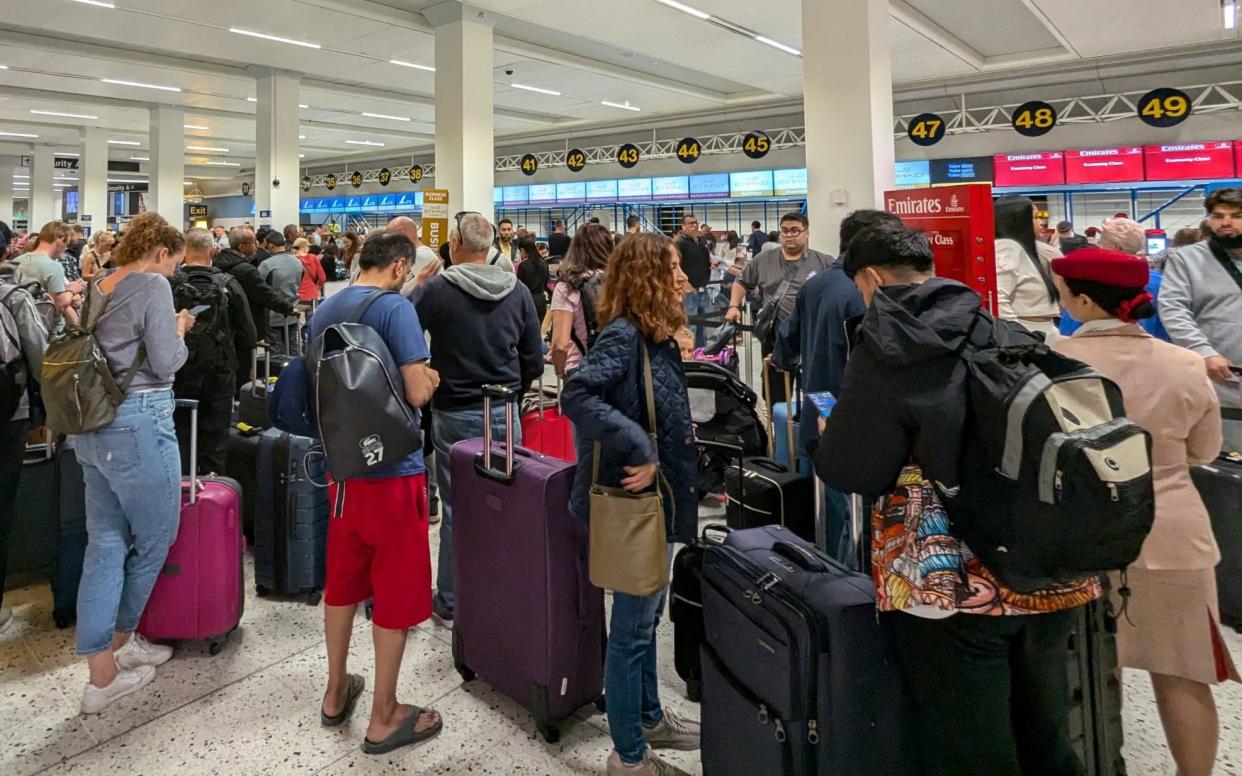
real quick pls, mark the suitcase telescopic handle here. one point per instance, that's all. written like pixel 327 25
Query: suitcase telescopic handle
pixel 508 396
pixel 192 405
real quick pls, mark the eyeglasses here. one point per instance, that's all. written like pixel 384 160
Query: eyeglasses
pixel 792 232
pixel 465 213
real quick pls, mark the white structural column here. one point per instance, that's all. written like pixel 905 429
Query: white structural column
pixel 276 157
pixel 167 188
pixel 93 178
pixel 8 168
pixel 465 151
pixel 848 87
pixel 42 203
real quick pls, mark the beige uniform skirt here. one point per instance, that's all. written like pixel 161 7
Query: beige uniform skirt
pixel 1172 625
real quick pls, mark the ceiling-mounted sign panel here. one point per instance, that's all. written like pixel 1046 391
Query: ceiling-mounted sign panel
pixel 1034 118
pixel 1164 107
pixel 926 129
pixel 689 150
pixel 306 183
pixel 355 179
pixel 575 160
pixel 529 164
pixel 628 156
pixel 246 189
pixel 416 173
pixel 330 181
pixel 756 144
pixel 384 176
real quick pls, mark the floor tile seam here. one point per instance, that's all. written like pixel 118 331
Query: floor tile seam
pixel 64 699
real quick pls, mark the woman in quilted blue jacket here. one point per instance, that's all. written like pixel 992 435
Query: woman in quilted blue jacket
pixel 641 309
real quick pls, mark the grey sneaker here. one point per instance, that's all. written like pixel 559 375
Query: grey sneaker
pixel 650 766
pixel 96 699
pixel 140 652
pixel 6 619
pixel 673 732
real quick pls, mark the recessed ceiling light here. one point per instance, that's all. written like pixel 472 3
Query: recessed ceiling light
pixel 252 99
pixel 685 9
pixel 303 107
pixel 140 158
pixel 385 116
pixel 17 134
pixel 195 126
pixel 213 149
pixel 626 106
pixel 222 164
pixel 63 115
pixel 277 38
pixel 99 3
pixel 124 142
pixel 301 156
pixel 17 176
pixel 68 153
pixel 140 85
pixel 301 137
pixel 778 45
pixel 365 143
pixel 414 65
pixel 535 89
pixel 4 67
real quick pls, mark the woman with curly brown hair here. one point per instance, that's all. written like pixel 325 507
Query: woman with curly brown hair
pixel 132 467
pixel 640 310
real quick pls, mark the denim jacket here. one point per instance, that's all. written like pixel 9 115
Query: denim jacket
pixel 605 400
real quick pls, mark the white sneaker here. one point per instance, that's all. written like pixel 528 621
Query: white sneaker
pixel 96 699
pixel 650 766
pixel 140 652
pixel 6 620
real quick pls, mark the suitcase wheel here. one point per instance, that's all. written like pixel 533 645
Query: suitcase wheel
pixel 550 733
pixel 601 704
pixel 458 661
pixel 64 619
pixel 214 647
pixel 314 598
pixel 369 608
pixel 261 590
pixel 694 690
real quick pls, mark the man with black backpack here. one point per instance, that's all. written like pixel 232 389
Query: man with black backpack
pixel 223 329
pixel 985 664
pixel 238 261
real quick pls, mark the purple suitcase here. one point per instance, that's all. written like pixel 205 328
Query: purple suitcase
pixel 527 619
pixel 200 591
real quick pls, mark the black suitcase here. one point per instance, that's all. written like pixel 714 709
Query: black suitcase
pixel 765 492
pixel 242 464
pixel 685 609
pixel 799 677
pixel 291 522
pixel 1220 485
pixel 1095 692
pixel 254 395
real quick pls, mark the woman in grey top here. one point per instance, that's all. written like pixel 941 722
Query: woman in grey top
pixel 132 467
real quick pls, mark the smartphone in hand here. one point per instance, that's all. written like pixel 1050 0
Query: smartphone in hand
pixel 199 310
pixel 824 401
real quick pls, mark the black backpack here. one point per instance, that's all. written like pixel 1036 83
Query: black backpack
pixel 1056 482
pixel 13 372
pixel 591 289
pixel 210 341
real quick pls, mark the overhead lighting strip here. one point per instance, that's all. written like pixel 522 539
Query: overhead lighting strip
pixel 738 29
pixel 140 85
pixel 385 116
pixel 63 115
pixel 536 89
pixel 414 65
pixel 275 38
pixel 213 149
pixel 96 3
pixel 626 106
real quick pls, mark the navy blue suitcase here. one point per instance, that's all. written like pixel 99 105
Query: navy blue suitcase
pixel 798 672
pixel 291 517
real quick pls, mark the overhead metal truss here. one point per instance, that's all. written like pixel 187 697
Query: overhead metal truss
pixel 399 173
pixel 1097 109
pixel 729 143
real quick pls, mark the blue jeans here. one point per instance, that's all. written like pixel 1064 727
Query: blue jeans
pixel 699 303
pixel 630 676
pixel 132 471
pixel 449 428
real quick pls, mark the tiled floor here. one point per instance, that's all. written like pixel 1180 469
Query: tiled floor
pixel 253 709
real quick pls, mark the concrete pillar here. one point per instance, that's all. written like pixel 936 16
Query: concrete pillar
pixel 93 178
pixel 166 192
pixel 42 204
pixel 8 168
pixel 848 103
pixel 276 156
pixel 465 150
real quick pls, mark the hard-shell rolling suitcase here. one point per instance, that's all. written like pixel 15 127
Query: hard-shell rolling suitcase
pixel 799 675
pixel 242 464
pixel 1220 485
pixel 255 395
pixel 199 593
pixel 545 429
pixel 1095 692
pixel 291 518
pixel 527 619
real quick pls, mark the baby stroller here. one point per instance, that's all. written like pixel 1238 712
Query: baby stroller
pixel 724 409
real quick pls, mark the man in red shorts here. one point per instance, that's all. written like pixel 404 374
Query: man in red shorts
pixel 378 547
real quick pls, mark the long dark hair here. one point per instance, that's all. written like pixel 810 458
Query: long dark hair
pixel 588 251
pixel 1014 218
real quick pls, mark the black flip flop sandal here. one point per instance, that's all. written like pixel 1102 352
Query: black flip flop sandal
pixel 356 685
pixel 404 735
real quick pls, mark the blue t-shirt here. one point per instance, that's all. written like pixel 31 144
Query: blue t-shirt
pixel 1152 325
pixel 394 318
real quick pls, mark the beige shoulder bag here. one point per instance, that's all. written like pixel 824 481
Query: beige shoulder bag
pixel 629 542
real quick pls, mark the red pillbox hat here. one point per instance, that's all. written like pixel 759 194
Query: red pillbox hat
pixel 1111 268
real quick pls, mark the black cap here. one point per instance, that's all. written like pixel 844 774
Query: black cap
pixel 1065 226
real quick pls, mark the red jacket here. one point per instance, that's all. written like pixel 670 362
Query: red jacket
pixel 312 279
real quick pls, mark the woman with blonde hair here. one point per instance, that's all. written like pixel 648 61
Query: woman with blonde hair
pixel 98 254
pixel 132 467
pixel 606 399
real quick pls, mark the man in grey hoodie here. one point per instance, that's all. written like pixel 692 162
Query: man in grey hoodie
pixel 1201 303
pixel 483 331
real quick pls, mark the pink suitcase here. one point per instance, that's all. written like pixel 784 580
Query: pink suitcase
pixel 544 429
pixel 200 591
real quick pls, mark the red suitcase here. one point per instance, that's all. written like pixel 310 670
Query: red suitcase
pixel 527 619
pixel 200 591
pixel 544 429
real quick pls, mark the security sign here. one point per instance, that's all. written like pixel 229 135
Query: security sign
pixel 575 160
pixel 628 155
pixel 306 183
pixel 689 150
pixel 1034 118
pixel 1164 107
pixel 416 173
pixel 926 129
pixel 330 181
pixel 385 176
pixel 756 144
pixel 529 164
pixel 246 188
pixel 355 179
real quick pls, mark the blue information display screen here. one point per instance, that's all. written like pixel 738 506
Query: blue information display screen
pixel 601 191
pixel 714 186
pixel 571 193
pixel 789 183
pixel 516 195
pixel 675 187
pixel 749 185
pixel 542 193
pixel 911 175
pixel 634 189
